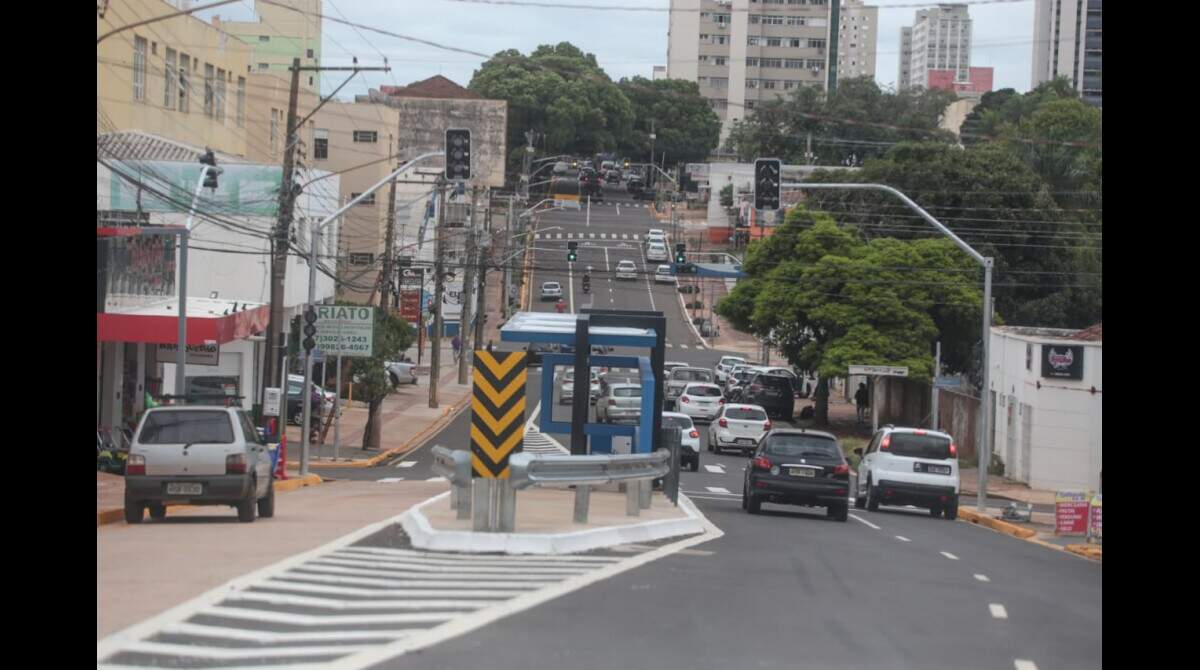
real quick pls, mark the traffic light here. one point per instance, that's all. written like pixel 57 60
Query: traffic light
pixel 572 255
pixel 310 328
pixel 626 163
pixel 210 176
pixel 680 256
pixel 766 183
pixel 458 153
pixel 587 283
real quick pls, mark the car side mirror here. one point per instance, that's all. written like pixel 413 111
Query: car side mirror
pixel 859 452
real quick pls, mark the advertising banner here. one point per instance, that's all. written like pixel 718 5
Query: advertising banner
pixel 1062 361
pixel 1071 512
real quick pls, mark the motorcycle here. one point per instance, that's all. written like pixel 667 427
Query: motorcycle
pixel 110 456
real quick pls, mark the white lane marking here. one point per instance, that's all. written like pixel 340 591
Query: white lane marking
pixel 718 489
pixel 863 521
pixel 1022 664
pixel 949 555
pixel 390 480
pixel 406 464
pixel 715 469
pixel 669 345
pixel 902 538
pixel 698 496
pixel 195 651
pixel 683 346
pixel 326 619
pixel 700 348
pixel 266 637
pixel 649 286
pixel 998 611
pixel 341 604
pixel 416 565
pixel 322 589
pixel 982 578
pixel 436 479
pixel 618 208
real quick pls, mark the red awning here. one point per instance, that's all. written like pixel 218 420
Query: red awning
pixel 204 323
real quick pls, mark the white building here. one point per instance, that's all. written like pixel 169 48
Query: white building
pixel 939 39
pixel 1067 41
pixel 858 33
pixel 1047 395
pixel 659 72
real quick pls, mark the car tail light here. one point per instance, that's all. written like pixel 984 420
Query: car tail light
pixel 135 465
pixel 612 401
pixel 762 463
pixel 842 469
pixel 767 424
pixel 723 423
pixel 694 433
pixel 235 464
pixel 684 399
pixel 839 492
pixel 721 401
pixel 755 388
pixel 886 443
pixel 953 450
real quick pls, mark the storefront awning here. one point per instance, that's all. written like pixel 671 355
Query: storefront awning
pixel 221 321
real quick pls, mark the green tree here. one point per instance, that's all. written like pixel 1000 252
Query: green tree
pixel 999 108
pixel 393 336
pixel 827 298
pixel 1060 141
pixel 686 127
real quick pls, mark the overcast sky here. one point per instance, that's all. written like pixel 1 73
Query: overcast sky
pixel 626 42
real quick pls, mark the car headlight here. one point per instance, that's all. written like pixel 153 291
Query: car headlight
pixel 774 469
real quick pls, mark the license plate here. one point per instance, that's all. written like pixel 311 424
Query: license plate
pixel 802 472
pixel 938 469
pixel 182 489
pixel 745 440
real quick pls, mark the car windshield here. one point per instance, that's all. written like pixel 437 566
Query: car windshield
pixel 745 414
pixel 703 391
pixel 919 446
pixel 550 286
pixel 627 392
pixel 664 269
pixel 692 375
pixel 676 422
pixel 802 446
pixel 626 265
pixel 186 427
pixel 774 381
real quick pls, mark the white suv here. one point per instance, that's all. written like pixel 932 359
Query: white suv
pixel 909 466
pixel 721 371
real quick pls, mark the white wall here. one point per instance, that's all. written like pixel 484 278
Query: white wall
pixel 237 359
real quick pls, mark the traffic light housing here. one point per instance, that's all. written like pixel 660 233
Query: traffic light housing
pixel 680 256
pixel 458 154
pixel 767 178
pixel 626 163
pixel 210 176
pixel 310 328
pixel 587 283
pixel 572 254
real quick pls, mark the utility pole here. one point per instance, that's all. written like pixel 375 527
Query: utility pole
pixel 808 154
pixel 525 161
pixel 468 290
pixel 388 245
pixel 483 249
pixel 508 232
pixel 439 271
pixel 937 372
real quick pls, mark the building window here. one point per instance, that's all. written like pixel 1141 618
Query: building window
pixel 772 20
pixel 794 63
pixel 362 259
pixel 751 83
pixel 749 104
pixel 751 62
pixel 768 83
pixel 185 81
pixel 703 58
pixel 262 67
pixel 264 38
pixel 815 64
pixel 309 53
pixel 275 116
pixel 755 19
pixel 366 136
pixel 722 39
pixel 208 90
pixel 368 201
pixel 794 43
pixel 720 60
pixel 774 42
pixel 789 85
pixel 797 21
pixel 771 62
pixel 1028 356
pixel 752 41
pixel 310 81
pixel 169 92
pixel 703 37
pixel 241 102
pixel 719 82
pixel 220 96
pixel 816 44
pixel 139 68
pixel 721 18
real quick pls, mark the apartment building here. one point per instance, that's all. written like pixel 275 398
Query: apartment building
pixel 939 39
pixel 743 52
pixel 1068 41
pixel 858 33
pixel 278 35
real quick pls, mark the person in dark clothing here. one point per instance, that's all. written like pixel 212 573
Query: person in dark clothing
pixel 862 398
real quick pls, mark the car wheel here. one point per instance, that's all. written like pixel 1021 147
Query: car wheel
pixel 717 448
pixel 838 512
pixel 935 510
pixel 158 511
pixel 753 504
pixel 134 510
pixel 394 378
pixel 951 511
pixel 266 504
pixel 247 507
pixel 872 496
pixel 859 501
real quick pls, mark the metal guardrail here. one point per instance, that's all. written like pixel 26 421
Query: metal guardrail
pixel 455 465
pixel 637 470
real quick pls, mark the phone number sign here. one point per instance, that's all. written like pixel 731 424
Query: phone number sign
pixel 345 330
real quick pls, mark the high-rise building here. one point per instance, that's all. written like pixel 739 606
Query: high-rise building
pixel 858 30
pixel 742 52
pixel 939 39
pixel 1067 42
pixel 659 72
pixel 278 35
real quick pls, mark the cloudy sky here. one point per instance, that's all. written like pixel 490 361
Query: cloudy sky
pixel 627 42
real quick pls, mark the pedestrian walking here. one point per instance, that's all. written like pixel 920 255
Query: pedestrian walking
pixel 457 344
pixel 863 400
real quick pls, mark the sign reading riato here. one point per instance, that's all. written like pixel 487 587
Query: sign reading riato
pixel 345 330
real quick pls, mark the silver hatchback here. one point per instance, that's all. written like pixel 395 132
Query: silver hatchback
pixel 620 402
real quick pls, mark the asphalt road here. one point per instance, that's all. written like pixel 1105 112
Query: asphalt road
pixel 789 588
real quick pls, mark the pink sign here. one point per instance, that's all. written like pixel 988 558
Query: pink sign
pixel 1071 512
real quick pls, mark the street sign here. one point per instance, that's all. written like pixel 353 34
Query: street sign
pixel 947 382
pixel 497 411
pixel 272 399
pixel 879 370
pixel 197 354
pixel 1094 519
pixel 410 305
pixel 1071 512
pixel 345 330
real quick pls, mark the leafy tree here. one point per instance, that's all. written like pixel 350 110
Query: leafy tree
pixel 727 195
pixel 1060 141
pixel 393 335
pixel 827 298
pixel 1006 106
pixel 685 125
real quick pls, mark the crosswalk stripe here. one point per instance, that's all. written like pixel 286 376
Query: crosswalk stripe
pixel 436 479
pixel 336 603
pixel 700 347
pixel 267 637
pixel 717 489
pixel 163 649
pixel 683 346
pixel 669 345
pixel 390 480
pixel 715 469
pixel 406 464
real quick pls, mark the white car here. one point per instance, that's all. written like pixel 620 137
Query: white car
pixel 664 275
pixel 657 232
pixel 738 427
pixel 689 447
pixel 909 466
pixel 551 290
pixel 626 270
pixel 656 251
pixel 565 388
pixel 701 401
pixel 721 372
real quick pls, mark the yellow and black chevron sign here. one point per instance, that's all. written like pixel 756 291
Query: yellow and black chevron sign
pixel 497 411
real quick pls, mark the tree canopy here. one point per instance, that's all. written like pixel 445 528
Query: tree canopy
pixel 686 127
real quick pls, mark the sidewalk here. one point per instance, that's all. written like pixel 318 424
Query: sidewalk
pixel 110 495
pixel 1001 487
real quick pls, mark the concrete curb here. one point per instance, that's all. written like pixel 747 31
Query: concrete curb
pixel 695 331
pixel 971 516
pixel 423 535
pixel 116 515
pixel 1086 550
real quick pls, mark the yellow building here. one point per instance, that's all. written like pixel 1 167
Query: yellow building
pixel 281 34
pixel 179 78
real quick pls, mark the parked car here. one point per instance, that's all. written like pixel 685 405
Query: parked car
pixel 664 275
pixel 626 270
pixel 721 371
pixel 909 466
pixel 798 467
pixel 198 455
pixel 738 427
pixel 402 372
pixel 551 290
pixel 679 378
pixel 295 407
pixel 701 401
pixel 620 402
pixel 793 378
pixel 564 389
pixel 689 447
pixel 773 393
pixel 657 252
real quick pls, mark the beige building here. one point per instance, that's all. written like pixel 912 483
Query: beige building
pixel 939 39
pixel 741 52
pixel 1067 42
pixel 179 78
pixel 279 35
pixel 858 33
pixel 955 113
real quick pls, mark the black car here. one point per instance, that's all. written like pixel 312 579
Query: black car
pixel 535 350
pixel 771 392
pixel 793 466
pixel 633 184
